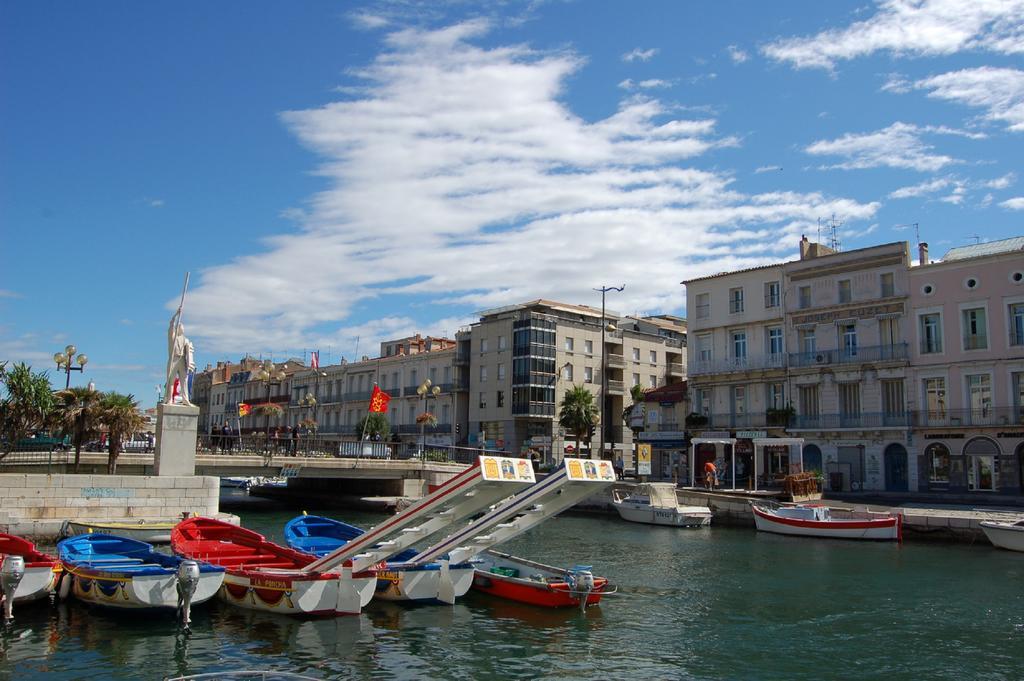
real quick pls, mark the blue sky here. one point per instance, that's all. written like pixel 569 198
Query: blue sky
pixel 333 174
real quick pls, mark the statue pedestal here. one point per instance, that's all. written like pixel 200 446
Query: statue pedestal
pixel 176 429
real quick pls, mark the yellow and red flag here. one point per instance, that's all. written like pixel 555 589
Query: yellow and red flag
pixel 244 409
pixel 379 400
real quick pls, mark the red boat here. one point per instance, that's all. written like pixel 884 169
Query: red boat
pixel 25 573
pixel 517 579
pixel 262 575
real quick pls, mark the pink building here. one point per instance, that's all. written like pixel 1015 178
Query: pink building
pixel 967 359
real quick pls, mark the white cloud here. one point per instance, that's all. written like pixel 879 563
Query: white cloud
pixel 1016 203
pixel 766 169
pixel 921 189
pixel 6 293
pixel 737 55
pixel 998 90
pixel 369 21
pixel 649 84
pixel 1003 182
pixel 639 54
pixel 912 28
pixel 458 176
pixel 898 146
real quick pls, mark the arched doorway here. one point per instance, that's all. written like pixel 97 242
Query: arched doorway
pixel 896 478
pixel 982 459
pixel 812 458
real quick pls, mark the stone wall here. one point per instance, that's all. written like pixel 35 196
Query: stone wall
pixel 36 505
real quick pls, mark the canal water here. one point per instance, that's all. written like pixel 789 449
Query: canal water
pixel 717 603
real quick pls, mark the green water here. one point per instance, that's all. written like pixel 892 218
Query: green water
pixel 718 603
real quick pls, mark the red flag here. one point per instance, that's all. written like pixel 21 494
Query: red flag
pixel 244 409
pixel 379 400
pixel 314 360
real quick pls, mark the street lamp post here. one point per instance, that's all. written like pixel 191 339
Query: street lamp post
pixel 309 401
pixel 271 377
pixel 424 391
pixel 604 378
pixel 64 360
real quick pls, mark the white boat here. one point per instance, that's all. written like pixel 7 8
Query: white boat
pixel 816 520
pixel 1005 535
pixel 656 503
pixel 148 531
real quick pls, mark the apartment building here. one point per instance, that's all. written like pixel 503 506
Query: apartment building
pixel 522 358
pixel 968 368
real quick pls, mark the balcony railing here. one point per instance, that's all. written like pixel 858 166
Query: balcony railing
pixel 955 418
pixel 975 342
pixel 615 361
pixel 775 361
pixel 929 347
pixel 863 420
pixel 1016 338
pixel 859 355
pixel 545 409
pixel 675 369
pixel 616 387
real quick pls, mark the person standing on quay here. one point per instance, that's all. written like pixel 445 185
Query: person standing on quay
pixel 710 475
pixel 295 440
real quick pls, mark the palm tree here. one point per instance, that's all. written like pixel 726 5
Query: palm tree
pixel 578 412
pixel 120 414
pixel 26 405
pixel 269 409
pixel 373 424
pixel 77 412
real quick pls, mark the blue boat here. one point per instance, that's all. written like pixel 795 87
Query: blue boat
pixel 118 572
pixel 398 579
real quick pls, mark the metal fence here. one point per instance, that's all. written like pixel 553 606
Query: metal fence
pixel 307 446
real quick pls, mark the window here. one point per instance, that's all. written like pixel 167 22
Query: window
pixel 937 456
pixel 588 374
pixel 979 395
pixel 501 373
pixel 849 399
pixel 739 345
pixel 588 347
pixel 700 401
pixel 892 398
pixel 1017 324
pixel 804 293
pixel 483 400
pixel 447 376
pixel 775 341
pixel 809 401
pixel 845 291
pixel 483 345
pixel 483 374
pixel 931 333
pixel 652 356
pixel 739 400
pixel 569 343
pixel 501 398
pixel 636 380
pixel 502 342
pixel 772 297
pixel 444 414
pixel 704 353
pixel 889 332
pixel 433 374
pixel 636 354
pixel 975 329
pixel 735 300
pixel 703 301
pixel 887 283
pixel 775 397
pixel 935 399
pixel 1017 381
pixel 652 381
pixel 412 380
pixel 808 341
pixel 849 332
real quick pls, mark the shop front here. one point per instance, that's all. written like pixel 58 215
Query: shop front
pixel 669 455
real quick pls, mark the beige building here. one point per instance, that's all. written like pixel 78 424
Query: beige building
pixel 522 358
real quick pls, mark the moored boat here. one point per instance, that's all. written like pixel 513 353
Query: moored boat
pixel 262 575
pixel 397 580
pixel 517 579
pixel 26 574
pixel 148 531
pixel 817 520
pixel 1005 535
pixel 125 573
pixel 656 503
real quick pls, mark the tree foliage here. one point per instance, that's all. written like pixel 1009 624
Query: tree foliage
pixel 120 415
pixel 77 413
pixel 25 405
pixel 373 424
pixel 578 413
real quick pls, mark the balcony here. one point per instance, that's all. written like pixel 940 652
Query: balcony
pixel 1016 338
pixel 543 409
pixel 864 421
pixel 860 355
pixel 615 361
pixel 462 358
pixel 676 369
pixel 931 347
pixel 734 364
pixel 960 418
pixel 616 388
pixel 357 395
pixel 975 342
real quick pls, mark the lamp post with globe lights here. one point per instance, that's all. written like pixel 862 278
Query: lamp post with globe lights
pixel 65 359
pixel 272 377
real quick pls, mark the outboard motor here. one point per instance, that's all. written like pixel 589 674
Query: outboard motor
pixel 188 580
pixel 11 572
pixel 581 583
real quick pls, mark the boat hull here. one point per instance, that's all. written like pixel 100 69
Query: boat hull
pixel 395 583
pixel 552 590
pixel 38 582
pixel 294 593
pixel 876 529
pixel 643 513
pixel 115 590
pixel 1004 535
pixel 149 532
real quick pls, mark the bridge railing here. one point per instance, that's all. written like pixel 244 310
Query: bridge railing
pixel 311 446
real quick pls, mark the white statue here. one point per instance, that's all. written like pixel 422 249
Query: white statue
pixel 180 361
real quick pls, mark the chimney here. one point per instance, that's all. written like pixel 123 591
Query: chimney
pixel 922 253
pixel 804 246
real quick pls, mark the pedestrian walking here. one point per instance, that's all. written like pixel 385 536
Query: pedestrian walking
pixel 295 440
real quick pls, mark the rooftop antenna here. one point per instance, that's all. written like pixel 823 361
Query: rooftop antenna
pixel 977 239
pixel 832 231
pixel 917 230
